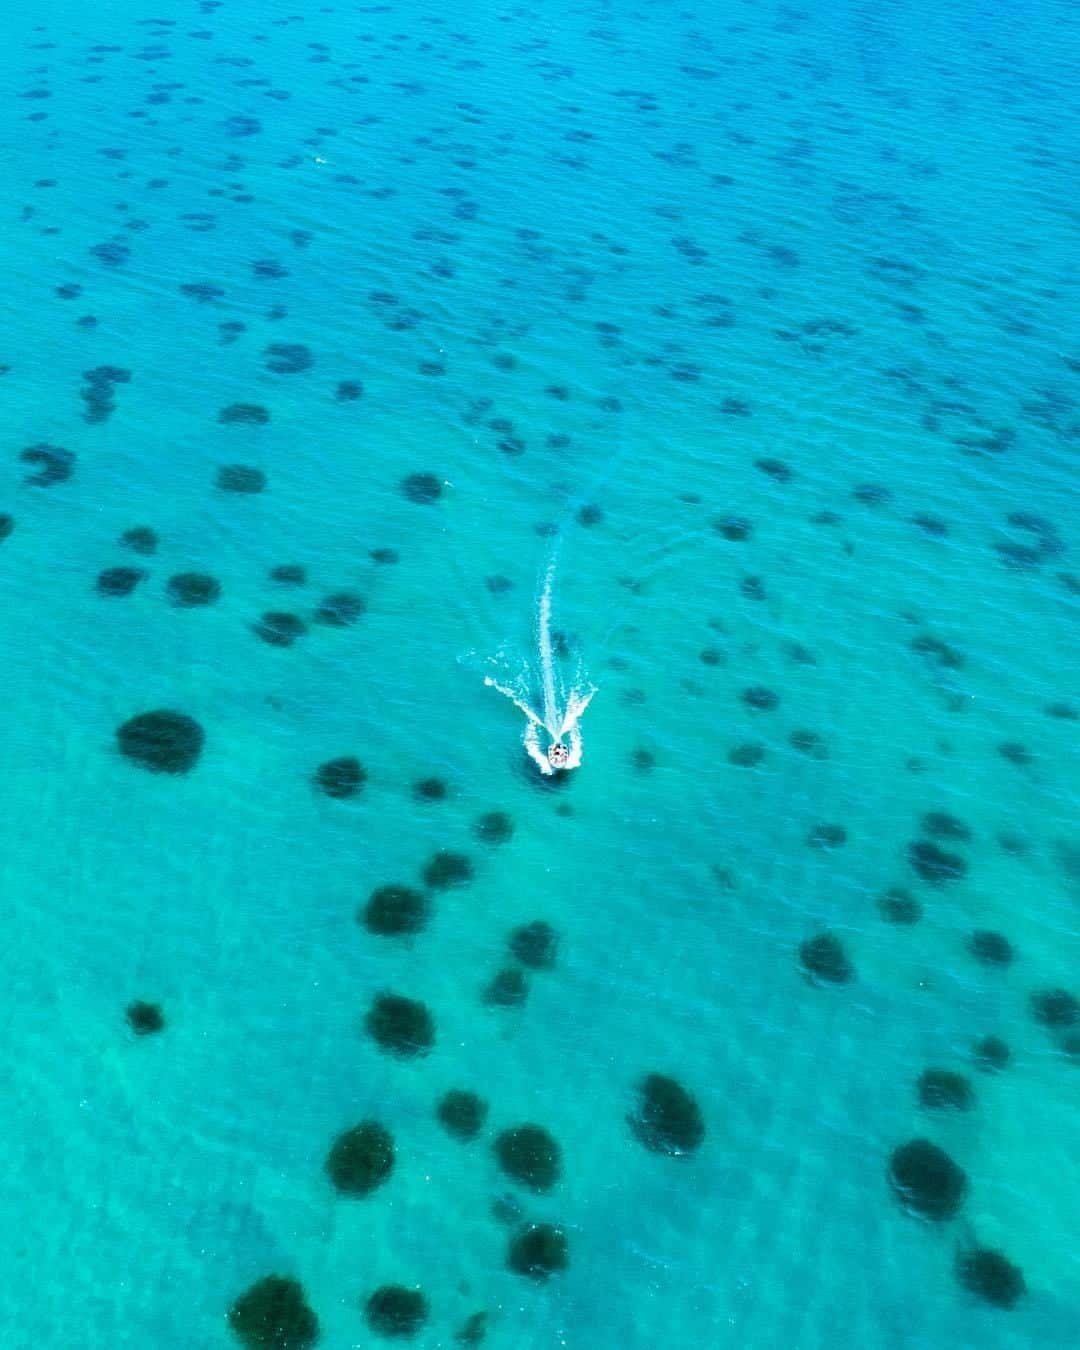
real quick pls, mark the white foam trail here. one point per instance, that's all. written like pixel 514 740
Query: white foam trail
pixel 547 664
pixel 520 703
pixel 561 725
pixel 576 705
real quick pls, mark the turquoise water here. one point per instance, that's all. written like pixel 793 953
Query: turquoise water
pixel 654 247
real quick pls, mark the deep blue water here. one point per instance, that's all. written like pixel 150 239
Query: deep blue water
pixel 765 319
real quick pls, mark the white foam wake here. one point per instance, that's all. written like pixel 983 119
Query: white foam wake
pixel 547 663
pixel 561 715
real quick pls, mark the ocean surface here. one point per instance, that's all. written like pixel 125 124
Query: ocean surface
pixel 760 325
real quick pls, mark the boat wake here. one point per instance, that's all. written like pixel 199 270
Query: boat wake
pixel 561 704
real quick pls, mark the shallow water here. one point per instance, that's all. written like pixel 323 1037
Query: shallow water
pixel 589 256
